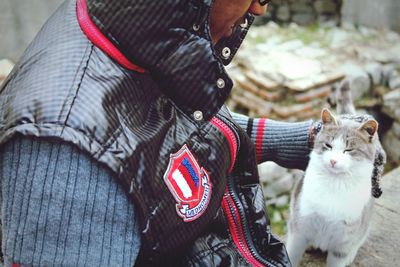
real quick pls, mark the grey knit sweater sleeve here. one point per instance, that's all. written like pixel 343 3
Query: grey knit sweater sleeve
pixel 61 208
pixel 287 144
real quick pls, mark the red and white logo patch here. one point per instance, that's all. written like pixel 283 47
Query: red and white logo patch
pixel 189 184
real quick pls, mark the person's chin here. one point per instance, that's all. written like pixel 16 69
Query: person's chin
pixel 223 35
pixel 228 33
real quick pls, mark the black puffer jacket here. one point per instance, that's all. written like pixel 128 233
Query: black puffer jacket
pixel 159 127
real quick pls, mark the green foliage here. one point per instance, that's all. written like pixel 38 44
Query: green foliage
pixel 278 226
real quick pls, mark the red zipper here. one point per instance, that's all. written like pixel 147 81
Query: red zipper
pixel 228 204
pixel 230 136
pixel 235 228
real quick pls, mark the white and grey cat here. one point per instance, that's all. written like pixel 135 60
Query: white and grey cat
pixel 331 205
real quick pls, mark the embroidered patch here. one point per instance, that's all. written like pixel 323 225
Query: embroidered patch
pixel 189 184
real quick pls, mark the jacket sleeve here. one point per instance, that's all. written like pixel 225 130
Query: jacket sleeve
pixel 286 143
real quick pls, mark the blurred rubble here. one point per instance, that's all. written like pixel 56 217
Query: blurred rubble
pixel 289 73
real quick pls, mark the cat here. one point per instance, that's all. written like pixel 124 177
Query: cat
pixel 332 204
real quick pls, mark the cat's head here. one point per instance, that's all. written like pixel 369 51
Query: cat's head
pixel 343 144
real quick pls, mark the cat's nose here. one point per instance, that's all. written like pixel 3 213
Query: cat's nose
pixel 333 162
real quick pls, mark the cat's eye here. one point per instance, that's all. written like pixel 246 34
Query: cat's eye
pixel 347 150
pixel 328 146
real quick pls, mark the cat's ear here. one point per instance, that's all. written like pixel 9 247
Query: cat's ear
pixel 328 118
pixel 370 126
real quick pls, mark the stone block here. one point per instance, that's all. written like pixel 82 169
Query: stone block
pixel 283 13
pixel 285 112
pixel 303 18
pixel 261 81
pixel 313 81
pixel 359 80
pixel 394 80
pixel 282 201
pixel 328 20
pixel 280 186
pixel 375 72
pixel 391 104
pixel 322 92
pixel 360 85
pixel 301 7
pixel 387 72
pixel 325 6
pixel 391 142
pixel 270 171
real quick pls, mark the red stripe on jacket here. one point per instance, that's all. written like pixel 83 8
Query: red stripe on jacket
pixel 98 39
pixel 259 138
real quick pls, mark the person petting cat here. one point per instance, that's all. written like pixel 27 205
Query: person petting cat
pixel 331 205
pixel 116 148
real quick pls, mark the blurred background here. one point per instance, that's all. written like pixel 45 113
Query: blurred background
pixel 21 19
pixel 287 69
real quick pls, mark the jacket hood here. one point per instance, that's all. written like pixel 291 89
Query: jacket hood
pixel 171 40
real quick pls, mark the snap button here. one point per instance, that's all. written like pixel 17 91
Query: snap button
pixel 196 27
pixel 244 24
pixel 220 83
pixel 198 115
pixel 226 52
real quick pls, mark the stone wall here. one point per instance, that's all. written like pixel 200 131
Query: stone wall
pixel 371 13
pixel 303 11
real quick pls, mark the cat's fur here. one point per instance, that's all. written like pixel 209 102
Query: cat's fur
pixel 332 204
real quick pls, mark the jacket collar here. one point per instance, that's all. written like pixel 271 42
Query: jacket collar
pixel 171 40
